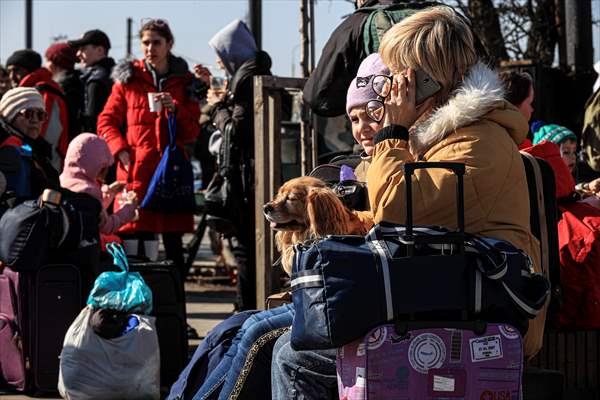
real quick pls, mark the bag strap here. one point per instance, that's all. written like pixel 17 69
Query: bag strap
pixel 119 256
pixel 539 184
pixel 529 303
pixel 44 87
pixel 172 122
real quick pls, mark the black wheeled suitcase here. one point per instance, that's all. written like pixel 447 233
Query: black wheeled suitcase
pixel 39 306
pixel 168 298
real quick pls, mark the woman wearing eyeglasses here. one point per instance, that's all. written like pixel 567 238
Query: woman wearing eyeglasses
pixel 168 81
pixel 467 121
pixel 24 155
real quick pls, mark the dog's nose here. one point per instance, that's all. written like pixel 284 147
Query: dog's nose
pixel 268 208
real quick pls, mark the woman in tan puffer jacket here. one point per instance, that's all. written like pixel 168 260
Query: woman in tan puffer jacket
pixel 466 121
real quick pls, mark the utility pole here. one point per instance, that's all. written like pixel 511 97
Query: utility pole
pixel 304 38
pixel 562 37
pixel 129 24
pixel 28 24
pixel 311 23
pixel 308 139
pixel 578 18
pixel 255 13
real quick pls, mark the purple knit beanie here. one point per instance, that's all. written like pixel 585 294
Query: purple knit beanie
pixel 361 88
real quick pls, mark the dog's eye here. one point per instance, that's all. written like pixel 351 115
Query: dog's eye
pixel 290 198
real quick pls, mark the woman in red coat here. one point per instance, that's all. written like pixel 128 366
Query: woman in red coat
pixel 139 151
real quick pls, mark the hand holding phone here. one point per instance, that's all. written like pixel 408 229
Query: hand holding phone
pixel 401 107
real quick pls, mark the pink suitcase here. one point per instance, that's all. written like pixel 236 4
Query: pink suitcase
pixel 432 364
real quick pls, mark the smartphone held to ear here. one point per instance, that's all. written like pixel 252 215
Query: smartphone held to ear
pixel 425 86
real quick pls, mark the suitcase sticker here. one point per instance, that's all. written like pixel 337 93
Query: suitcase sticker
pixel 432 364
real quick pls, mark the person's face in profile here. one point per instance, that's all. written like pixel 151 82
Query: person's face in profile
pixel 5 84
pixel 16 74
pixel 89 54
pixel 220 64
pixel 568 152
pixel 363 128
pixel 526 107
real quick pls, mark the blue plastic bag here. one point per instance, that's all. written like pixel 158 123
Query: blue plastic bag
pixel 122 291
pixel 171 188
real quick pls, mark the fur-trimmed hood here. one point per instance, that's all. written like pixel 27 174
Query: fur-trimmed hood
pixel 126 68
pixel 479 94
pixel 123 70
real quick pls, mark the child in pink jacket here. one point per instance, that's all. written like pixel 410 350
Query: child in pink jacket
pixel 86 164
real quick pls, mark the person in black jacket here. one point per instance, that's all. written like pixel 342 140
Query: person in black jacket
pixel 233 115
pixel 341 56
pixel 60 60
pixel 92 51
pixel 338 65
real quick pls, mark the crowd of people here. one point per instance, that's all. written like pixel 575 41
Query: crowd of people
pixel 101 131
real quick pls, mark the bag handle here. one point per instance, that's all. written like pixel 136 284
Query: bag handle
pixel 496 264
pixel 119 256
pixel 172 124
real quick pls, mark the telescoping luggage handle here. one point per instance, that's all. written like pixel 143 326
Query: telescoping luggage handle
pixel 457 237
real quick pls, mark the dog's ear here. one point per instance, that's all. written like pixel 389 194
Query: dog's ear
pixel 326 214
pixel 284 241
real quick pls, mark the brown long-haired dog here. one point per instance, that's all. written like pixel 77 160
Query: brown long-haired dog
pixel 306 208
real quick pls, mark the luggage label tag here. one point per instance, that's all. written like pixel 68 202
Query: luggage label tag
pixel 447 382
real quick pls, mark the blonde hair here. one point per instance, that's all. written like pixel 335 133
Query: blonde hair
pixel 437 41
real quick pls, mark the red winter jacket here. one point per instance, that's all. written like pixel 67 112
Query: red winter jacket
pixel 579 247
pixel 56 129
pixel 579 243
pixel 147 133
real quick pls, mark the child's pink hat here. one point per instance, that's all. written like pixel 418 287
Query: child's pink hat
pixel 87 155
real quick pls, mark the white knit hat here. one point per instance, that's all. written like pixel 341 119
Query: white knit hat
pixel 18 99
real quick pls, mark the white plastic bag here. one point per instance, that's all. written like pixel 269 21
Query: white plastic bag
pixel 127 367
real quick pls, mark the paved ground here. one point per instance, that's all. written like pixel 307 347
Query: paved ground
pixel 207 303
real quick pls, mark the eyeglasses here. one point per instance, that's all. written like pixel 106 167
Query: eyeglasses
pixel 382 86
pixel 30 113
pixel 375 110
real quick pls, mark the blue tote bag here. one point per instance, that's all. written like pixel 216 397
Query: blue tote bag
pixel 171 189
